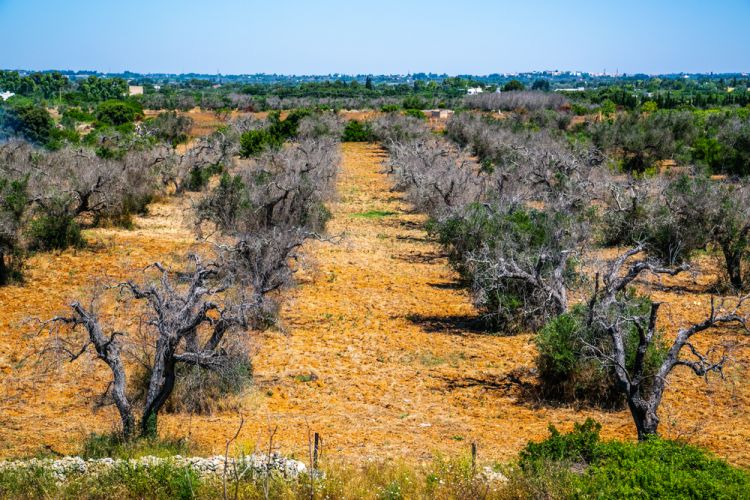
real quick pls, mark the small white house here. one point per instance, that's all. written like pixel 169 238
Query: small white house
pixel 135 89
pixel 6 95
pixel 474 90
pixel 157 87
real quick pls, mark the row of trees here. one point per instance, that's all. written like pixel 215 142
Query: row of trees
pixel 519 211
pixel 47 196
pixel 198 316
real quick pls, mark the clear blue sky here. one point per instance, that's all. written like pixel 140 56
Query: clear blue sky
pixel 376 36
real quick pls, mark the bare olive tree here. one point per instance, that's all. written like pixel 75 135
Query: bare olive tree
pixel 188 316
pixel 434 177
pixel 265 211
pixel 510 101
pixel 608 310
pixel 514 224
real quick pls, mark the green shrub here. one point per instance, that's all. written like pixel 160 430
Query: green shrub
pixel 254 142
pixel 32 122
pixel 14 201
pixel 199 176
pixel 590 468
pixel 415 113
pixel 659 468
pixel 513 85
pixel 32 482
pixel 580 445
pixel 479 234
pixel 127 480
pixel 356 131
pixel 116 112
pixel 567 369
pixel 55 232
pixel 414 102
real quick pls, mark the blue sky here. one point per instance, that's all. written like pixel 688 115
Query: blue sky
pixel 378 36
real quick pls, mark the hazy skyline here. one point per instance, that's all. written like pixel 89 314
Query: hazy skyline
pixel 334 36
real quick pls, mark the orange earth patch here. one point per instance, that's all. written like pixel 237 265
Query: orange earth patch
pixel 377 354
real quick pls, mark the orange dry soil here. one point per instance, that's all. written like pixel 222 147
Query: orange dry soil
pixel 378 353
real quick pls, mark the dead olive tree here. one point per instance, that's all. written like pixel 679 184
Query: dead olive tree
pixel 171 127
pixel 510 101
pixel 514 225
pixel 643 389
pixel 433 176
pixel 676 217
pixel 265 211
pixel 207 156
pixel 189 317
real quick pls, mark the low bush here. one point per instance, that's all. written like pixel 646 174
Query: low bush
pixel 415 113
pixel 55 231
pixel 199 176
pixel 116 113
pixel 655 468
pixel 356 131
pixel 254 142
pixel 568 368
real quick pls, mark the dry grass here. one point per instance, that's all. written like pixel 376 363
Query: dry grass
pixel 378 355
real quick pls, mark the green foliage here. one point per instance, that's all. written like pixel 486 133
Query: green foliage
pixel 254 142
pixel 541 84
pixel 415 113
pixel 54 231
pixel 608 108
pixel 414 102
pixel 681 223
pixel 578 446
pixel 641 141
pixel 356 131
pixel 514 233
pixel 513 85
pixel 117 112
pixel 654 468
pixel 170 127
pixel 34 123
pixel 567 369
pixel 114 446
pixel 14 200
pixel 95 89
pixel 73 115
pixel 199 176
pixel 137 481
pixel 374 214
pixel 649 107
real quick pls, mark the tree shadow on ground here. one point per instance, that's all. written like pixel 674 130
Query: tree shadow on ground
pixel 420 257
pixel 522 385
pixel 453 285
pixel 460 324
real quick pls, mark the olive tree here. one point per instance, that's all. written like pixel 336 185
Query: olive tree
pixel 643 390
pixel 189 317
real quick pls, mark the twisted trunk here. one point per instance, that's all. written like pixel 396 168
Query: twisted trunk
pixel 160 386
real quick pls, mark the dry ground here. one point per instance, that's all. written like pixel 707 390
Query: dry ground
pixel 378 354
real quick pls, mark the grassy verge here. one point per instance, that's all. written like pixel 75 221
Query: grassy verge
pixel 574 465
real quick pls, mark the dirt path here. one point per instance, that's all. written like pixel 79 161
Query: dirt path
pixel 378 356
